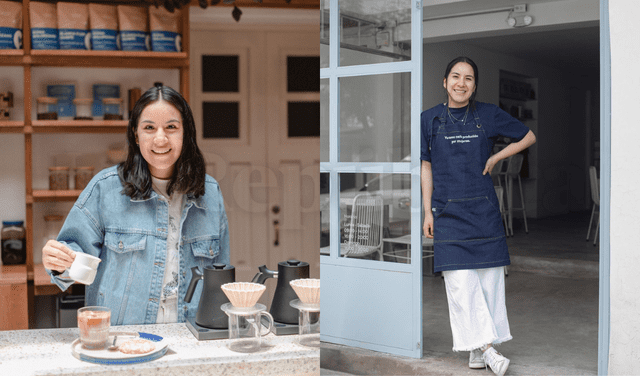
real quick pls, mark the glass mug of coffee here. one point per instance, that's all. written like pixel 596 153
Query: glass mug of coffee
pixel 94 323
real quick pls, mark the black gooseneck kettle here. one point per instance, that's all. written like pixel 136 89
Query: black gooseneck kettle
pixel 288 271
pixel 209 314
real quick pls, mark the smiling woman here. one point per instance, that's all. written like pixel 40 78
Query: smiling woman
pixel 159 136
pixel 462 211
pixel 150 219
pixel 460 82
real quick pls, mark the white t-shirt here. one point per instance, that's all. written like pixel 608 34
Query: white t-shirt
pixel 168 310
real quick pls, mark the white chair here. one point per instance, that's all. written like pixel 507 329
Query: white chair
pixel 406 240
pixel 514 164
pixel 364 233
pixel 595 197
pixel 503 213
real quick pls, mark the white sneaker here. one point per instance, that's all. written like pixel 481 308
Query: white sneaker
pixel 475 359
pixel 496 361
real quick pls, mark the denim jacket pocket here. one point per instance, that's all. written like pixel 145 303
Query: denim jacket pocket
pixel 207 248
pixel 124 243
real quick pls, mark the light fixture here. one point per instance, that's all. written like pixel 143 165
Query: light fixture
pixel 520 20
pixel 236 13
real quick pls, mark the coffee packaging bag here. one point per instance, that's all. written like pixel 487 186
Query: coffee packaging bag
pixel 44 26
pixel 10 25
pixel 134 29
pixel 73 26
pixel 103 20
pixel 165 29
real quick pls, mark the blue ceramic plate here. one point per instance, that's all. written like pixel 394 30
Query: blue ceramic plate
pixel 104 356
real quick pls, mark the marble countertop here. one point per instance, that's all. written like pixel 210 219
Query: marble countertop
pixel 48 352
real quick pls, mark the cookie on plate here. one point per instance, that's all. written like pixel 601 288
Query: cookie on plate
pixel 137 346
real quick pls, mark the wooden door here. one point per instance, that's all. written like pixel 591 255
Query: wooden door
pixel 240 114
pixel 293 151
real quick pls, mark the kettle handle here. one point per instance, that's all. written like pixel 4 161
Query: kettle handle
pixel 195 277
pixel 264 274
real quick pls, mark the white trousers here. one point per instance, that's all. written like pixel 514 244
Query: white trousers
pixel 477 307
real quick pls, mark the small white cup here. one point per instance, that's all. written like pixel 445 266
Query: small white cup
pixel 84 268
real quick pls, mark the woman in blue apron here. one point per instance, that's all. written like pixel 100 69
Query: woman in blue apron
pixel 462 212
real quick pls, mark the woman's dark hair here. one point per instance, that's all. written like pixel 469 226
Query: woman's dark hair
pixel 189 172
pixel 464 59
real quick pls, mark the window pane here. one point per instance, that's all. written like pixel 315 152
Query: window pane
pixel 304 119
pixel 374 31
pixel 302 74
pixel 325 238
pixel 220 120
pixel 324 120
pixel 220 73
pixel 375 118
pixel 324 33
pixel 375 216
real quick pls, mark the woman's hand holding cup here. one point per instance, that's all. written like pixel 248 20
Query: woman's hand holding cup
pixel 57 256
pixel 82 266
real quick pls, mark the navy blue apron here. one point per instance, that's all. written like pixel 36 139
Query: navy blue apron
pixel 468 229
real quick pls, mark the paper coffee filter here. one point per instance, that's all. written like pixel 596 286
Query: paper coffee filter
pixel 308 290
pixel 243 294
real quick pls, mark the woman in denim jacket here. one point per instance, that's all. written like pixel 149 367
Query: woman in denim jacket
pixel 150 219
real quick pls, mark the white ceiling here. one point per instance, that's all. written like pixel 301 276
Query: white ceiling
pixel 578 48
pixel 575 48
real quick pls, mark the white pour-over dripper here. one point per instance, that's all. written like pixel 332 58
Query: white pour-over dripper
pixel 308 290
pixel 243 294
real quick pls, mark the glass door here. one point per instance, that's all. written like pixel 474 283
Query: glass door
pixel 371 247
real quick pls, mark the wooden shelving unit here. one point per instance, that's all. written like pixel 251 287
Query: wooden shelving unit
pixel 19 284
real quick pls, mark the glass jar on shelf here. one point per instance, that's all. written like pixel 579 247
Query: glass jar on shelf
pixel 82 176
pixel 58 178
pixel 13 243
pixel 83 108
pixel 112 108
pixel 47 108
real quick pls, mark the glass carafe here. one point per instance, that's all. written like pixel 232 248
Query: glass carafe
pixel 245 327
pixel 308 323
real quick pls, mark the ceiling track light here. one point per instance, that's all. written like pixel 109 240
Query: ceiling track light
pixel 236 13
pixel 518 16
pixel 519 20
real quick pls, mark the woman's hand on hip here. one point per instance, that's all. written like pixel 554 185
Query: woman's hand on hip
pixel 57 256
pixel 491 162
pixel 428 224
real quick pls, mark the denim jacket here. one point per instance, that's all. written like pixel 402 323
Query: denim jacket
pixel 130 237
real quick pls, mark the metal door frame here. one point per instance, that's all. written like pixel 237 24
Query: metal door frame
pixel 334 167
pixel 604 309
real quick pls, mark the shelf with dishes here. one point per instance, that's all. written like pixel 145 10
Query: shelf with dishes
pixel 94 59
pixel 85 126
pixel 107 59
pixel 47 195
pixel 11 126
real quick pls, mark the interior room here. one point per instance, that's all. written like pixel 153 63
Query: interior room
pixel 549 253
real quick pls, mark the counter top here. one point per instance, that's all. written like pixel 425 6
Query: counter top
pixel 48 352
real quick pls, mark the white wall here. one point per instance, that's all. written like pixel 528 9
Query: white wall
pixel 624 347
